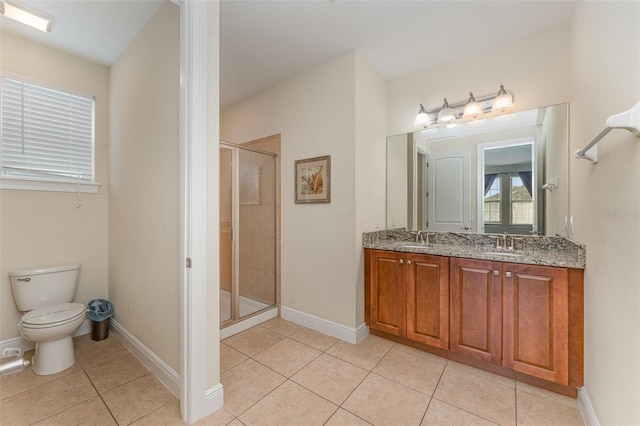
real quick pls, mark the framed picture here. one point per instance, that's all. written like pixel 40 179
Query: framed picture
pixel 313 180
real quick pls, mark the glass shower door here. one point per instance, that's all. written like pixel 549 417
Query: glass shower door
pixel 247 232
pixel 226 236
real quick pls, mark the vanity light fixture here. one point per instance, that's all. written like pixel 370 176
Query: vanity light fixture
pixel 422 119
pixel 446 114
pixel 473 112
pixel 27 15
pixel 473 108
pixel 503 101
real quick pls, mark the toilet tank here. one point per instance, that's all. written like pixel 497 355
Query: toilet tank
pixel 40 287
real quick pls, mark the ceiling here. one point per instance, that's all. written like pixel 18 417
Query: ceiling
pixel 268 41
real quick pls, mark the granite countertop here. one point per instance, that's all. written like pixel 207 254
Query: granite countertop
pixel 531 250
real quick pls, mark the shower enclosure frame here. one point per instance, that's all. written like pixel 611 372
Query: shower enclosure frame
pixel 237 323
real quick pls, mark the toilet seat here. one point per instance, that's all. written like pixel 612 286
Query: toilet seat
pixel 53 316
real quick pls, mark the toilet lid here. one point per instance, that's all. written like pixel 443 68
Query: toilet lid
pixel 53 314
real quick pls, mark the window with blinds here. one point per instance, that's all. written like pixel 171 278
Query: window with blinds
pixel 46 134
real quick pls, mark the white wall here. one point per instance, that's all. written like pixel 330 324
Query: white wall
pixel 144 260
pixel 535 69
pixel 370 143
pixel 315 114
pixel 213 197
pixel 45 228
pixel 605 201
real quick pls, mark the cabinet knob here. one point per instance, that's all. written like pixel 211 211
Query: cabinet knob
pixel 401 261
pixel 507 274
pixel 408 262
pixel 496 272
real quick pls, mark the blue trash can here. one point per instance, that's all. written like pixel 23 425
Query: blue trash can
pixel 100 312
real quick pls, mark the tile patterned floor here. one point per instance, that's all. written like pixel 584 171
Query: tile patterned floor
pixel 279 373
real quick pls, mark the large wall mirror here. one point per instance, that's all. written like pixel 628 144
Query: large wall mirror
pixel 504 174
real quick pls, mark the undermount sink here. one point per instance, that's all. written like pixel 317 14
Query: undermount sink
pixel 501 253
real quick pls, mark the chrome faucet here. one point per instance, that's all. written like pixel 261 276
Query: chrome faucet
pixel 422 236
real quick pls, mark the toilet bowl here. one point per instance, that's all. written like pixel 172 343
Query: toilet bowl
pixel 45 294
pixel 51 329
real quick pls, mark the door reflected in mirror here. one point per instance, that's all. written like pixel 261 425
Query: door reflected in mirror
pixel 486 179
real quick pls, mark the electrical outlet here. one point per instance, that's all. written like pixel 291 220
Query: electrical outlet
pixel 377 221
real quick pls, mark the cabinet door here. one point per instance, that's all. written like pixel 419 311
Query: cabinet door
pixel 388 292
pixel 536 323
pixel 476 309
pixel 428 300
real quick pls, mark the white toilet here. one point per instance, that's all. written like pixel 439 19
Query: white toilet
pixel 45 293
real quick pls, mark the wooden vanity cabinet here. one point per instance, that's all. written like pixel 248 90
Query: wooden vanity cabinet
pixel 536 321
pixel 408 296
pixel 387 291
pixel 523 321
pixel 428 300
pixel 476 309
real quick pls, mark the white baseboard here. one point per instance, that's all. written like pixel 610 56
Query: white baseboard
pixel 214 399
pixel 17 342
pixel 248 323
pixel 333 329
pixel 26 345
pixel 157 366
pixel 588 413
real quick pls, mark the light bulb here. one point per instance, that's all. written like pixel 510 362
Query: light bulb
pixel 422 119
pixel 503 101
pixel 472 108
pixel 446 114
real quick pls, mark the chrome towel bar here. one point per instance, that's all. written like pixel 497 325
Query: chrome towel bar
pixel 628 120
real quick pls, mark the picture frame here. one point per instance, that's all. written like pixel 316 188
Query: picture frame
pixel 313 180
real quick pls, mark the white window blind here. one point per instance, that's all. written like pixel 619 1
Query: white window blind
pixel 46 134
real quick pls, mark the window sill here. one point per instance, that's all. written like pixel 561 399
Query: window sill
pixel 48 185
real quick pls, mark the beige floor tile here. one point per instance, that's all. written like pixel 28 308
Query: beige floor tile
pixel 15 383
pixel 236 422
pixel 46 400
pixel 246 384
pixel 116 372
pixel 167 415
pixel 570 402
pixel 540 410
pixel 506 381
pixel 483 396
pixel 281 326
pixel 418 370
pixel 440 413
pixel 381 401
pixel 90 353
pixel 136 399
pixel 289 404
pixel 330 378
pixel 93 411
pixel 345 418
pixel 253 340
pixel 315 339
pixel 220 417
pixel 287 356
pixel 365 354
pixel 229 357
